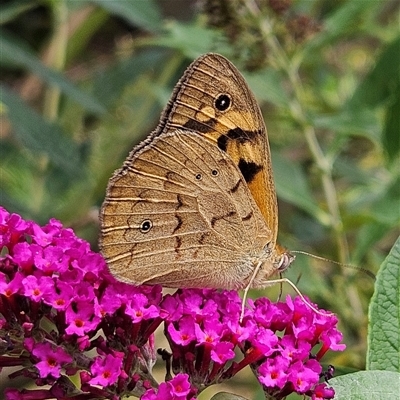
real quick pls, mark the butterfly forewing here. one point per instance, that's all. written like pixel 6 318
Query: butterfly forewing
pixel 238 129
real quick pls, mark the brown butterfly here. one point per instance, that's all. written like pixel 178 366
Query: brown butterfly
pixel 194 205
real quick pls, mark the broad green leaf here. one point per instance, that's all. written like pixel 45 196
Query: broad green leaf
pixel 16 52
pixel 142 13
pixel 384 317
pixel 367 385
pixel 40 136
pixel 291 185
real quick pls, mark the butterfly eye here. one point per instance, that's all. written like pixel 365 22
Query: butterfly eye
pixel 215 172
pixel 285 261
pixel 145 226
pixel 198 177
pixel 222 102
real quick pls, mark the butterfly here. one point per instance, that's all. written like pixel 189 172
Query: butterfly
pixel 194 205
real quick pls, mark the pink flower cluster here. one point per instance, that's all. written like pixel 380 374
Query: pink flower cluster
pixel 56 296
pixel 63 314
pixel 282 342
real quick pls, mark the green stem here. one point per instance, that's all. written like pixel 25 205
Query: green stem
pixel 57 56
pixel 299 115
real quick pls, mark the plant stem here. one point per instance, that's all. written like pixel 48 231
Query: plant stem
pixel 56 56
pixel 299 115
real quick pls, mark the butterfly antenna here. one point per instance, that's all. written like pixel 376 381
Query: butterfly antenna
pixel 247 288
pixel 365 271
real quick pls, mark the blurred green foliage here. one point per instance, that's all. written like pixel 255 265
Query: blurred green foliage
pixel 84 81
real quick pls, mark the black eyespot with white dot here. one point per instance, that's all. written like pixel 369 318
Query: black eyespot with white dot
pixel 145 226
pixel 214 172
pixel 199 177
pixel 222 102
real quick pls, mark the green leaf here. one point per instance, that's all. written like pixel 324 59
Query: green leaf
pixel 386 208
pixel 361 122
pixel 11 10
pixel 390 137
pixel 367 385
pixel 40 136
pixel 144 14
pixel 110 83
pixel 291 185
pixel 79 41
pixel 384 316
pixel 382 82
pixel 267 86
pixel 14 174
pixel 227 396
pixel 16 52
pixel 369 234
pixel 185 38
pixel 344 20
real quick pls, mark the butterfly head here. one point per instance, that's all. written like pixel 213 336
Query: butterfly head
pixel 273 260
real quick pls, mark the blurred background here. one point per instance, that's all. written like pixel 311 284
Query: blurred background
pixel 82 82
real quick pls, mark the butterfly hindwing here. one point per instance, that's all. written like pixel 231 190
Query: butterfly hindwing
pixel 180 207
